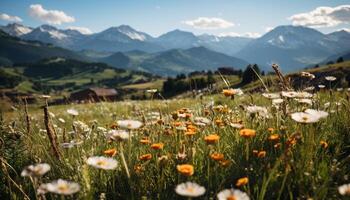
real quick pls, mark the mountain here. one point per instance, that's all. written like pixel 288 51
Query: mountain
pixel 15 50
pixel 292 47
pixel 228 45
pixel 50 34
pixel 16 29
pixel 122 38
pixel 174 61
pixel 177 39
pixel 334 58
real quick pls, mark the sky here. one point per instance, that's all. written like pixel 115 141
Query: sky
pixel 250 18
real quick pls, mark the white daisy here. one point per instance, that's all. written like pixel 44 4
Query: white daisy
pixel 36 170
pixel 61 120
pixel 62 187
pixel 118 135
pixel 319 113
pixel 232 194
pixel 271 95
pixel 129 124
pixel 152 91
pixel 72 112
pixel 311 88
pixel 277 101
pixel 330 78
pixel 190 189
pixel 102 162
pixel 321 86
pixel 303 117
pixel 202 121
pixel 344 189
pixel 305 101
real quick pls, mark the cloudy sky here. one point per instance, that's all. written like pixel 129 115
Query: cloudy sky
pixel 220 17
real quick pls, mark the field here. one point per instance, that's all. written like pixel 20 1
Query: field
pixel 262 150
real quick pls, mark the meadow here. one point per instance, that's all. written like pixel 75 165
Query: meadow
pixel 233 145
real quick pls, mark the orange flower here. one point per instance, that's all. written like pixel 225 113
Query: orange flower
pixel 242 181
pixel 145 141
pixel 146 157
pixel 270 130
pixel 185 169
pixel 219 122
pixel 211 139
pixel 247 133
pixel 110 152
pixel 206 112
pixel 274 137
pixel 225 163
pixel 261 154
pixel 157 146
pixel 113 126
pixel 217 156
pixel 324 144
pixel 177 124
pixel 228 92
pixel 190 133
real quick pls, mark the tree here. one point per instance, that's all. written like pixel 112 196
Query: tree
pixel 210 78
pixel 250 74
pixel 340 60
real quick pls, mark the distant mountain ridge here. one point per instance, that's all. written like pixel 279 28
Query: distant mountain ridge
pixel 292 47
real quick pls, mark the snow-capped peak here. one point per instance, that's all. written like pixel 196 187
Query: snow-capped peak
pixel 16 29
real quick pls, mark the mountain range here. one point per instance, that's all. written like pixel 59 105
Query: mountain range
pixel 292 47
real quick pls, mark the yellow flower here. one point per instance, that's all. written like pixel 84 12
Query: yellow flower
pixel 211 139
pixel 274 137
pixel 228 92
pixel 145 141
pixel 242 181
pixel 185 169
pixel 324 144
pixel 261 154
pixel 247 133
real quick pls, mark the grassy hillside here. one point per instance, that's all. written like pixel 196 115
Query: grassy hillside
pixel 15 50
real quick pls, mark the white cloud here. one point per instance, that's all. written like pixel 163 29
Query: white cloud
pixel 6 17
pixel 82 30
pixel 49 16
pixel 234 34
pixel 209 23
pixel 323 17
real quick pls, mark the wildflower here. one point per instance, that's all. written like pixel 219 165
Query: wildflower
pixel 311 88
pixel 247 133
pixel 324 144
pixel 232 194
pixel 242 181
pixel 72 112
pixel 236 125
pixel 146 157
pixel 229 92
pixel 262 111
pixel 157 146
pixel 102 162
pixel 62 187
pixel 319 113
pixel 307 75
pixel 344 189
pixel 202 121
pixel 277 101
pixel 118 135
pixel 190 189
pixel 71 144
pixel 274 137
pixel 321 86
pixel 225 163
pixel 261 154
pixel 212 138
pixel 152 91
pixel 330 78
pixel 36 170
pixel 145 141
pixel 185 169
pixel 304 117
pixel 271 95
pixel 110 152
pixel 181 156
pixel 129 124
pixel 217 156
pixel 61 120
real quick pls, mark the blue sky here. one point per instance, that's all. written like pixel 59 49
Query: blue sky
pixel 219 17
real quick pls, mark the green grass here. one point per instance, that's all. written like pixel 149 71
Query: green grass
pixel 303 170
